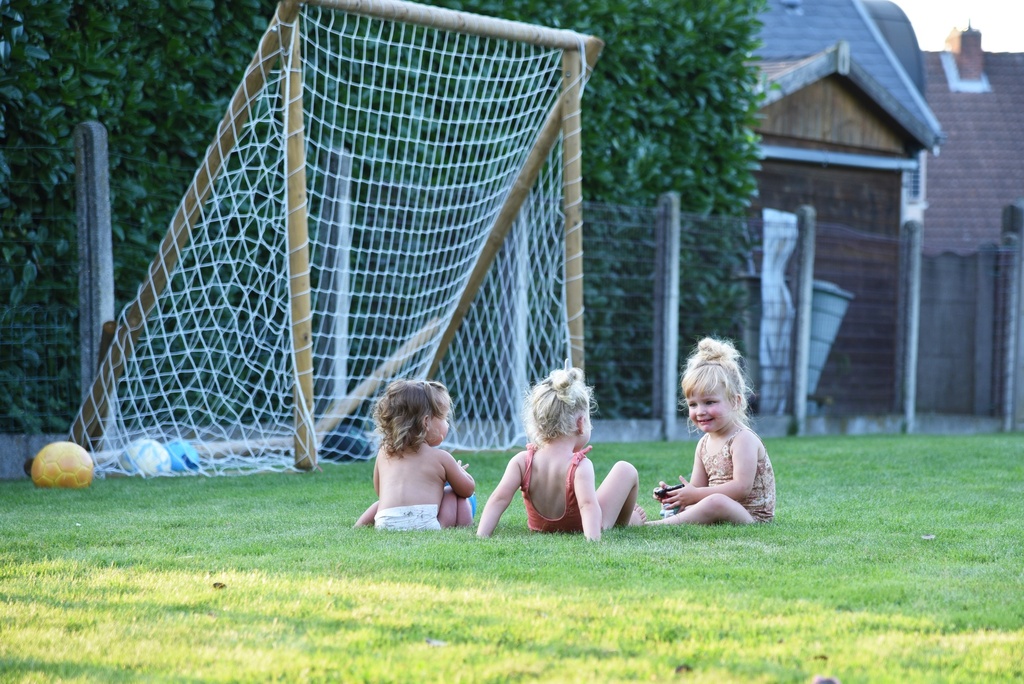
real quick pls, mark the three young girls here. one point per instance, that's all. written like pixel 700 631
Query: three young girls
pixel 732 478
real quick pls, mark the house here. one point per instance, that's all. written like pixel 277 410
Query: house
pixel 968 314
pixel 979 99
pixel 843 123
pixel 844 127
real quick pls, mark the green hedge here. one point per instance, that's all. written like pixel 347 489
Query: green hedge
pixel 669 108
pixel 671 103
pixel 157 74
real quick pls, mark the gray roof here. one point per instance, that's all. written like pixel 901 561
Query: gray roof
pixel 895 27
pixel 796 30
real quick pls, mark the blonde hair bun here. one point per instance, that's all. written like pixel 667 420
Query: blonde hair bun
pixel 553 405
pixel 711 350
pixel 567 385
pixel 716 363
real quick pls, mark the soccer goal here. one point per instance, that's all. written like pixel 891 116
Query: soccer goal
pixel 394 191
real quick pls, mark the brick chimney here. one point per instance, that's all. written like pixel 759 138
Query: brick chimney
pixel 966 48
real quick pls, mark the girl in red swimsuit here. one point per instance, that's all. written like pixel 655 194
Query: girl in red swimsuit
pixel 554 474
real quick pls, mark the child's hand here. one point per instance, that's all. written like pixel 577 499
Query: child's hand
pixel 669 495
pixel 663 489
pixel 658 491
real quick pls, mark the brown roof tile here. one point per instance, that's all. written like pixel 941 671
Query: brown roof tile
pixel 980 167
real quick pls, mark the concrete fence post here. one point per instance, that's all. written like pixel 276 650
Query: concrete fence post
pixel 1013 376
pixel 987 362
pixel 95 244
pixel 913 238
pixel 666 314
pixel 807 227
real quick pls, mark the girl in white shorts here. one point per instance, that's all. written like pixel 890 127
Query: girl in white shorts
pixel 421 487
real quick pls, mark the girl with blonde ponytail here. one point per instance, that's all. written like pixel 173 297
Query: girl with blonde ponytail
pixel 732 478
pixel 554 474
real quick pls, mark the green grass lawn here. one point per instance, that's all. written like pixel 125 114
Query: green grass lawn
pixel 892 558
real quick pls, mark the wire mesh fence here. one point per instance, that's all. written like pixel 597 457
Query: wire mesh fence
pixel 966 361
pixel 619 280
pixel 39 371
pixel 854 337
pixel 861 373
pixel 618 268
pixel 966 320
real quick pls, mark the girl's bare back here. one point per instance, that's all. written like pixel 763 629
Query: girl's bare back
pixel 412 478
pixel 547 481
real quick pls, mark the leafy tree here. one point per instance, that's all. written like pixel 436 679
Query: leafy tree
pixel 158 75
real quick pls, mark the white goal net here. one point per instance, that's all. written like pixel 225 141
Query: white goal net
pixel 389 195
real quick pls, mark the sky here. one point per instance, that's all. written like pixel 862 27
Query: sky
pixel 1001 22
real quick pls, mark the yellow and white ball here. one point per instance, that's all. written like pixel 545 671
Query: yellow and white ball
pixel 62 464
pixel 147 457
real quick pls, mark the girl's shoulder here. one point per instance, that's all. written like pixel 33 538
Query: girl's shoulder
pixel 526 454
pixel 746 439
pixel 418 457
pixel 747 433
pixel 436 454
pixel 521 458
pixel 385 456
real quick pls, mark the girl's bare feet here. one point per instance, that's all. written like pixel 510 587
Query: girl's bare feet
pixel 639 516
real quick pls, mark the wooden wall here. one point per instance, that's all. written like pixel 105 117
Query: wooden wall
pixel 858 214
pixel 865 199
pixel 831 114
pixel 858 217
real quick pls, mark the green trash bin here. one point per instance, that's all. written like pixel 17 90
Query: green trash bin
pixel 828 307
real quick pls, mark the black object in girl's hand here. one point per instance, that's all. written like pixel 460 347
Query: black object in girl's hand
pixel 660 492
